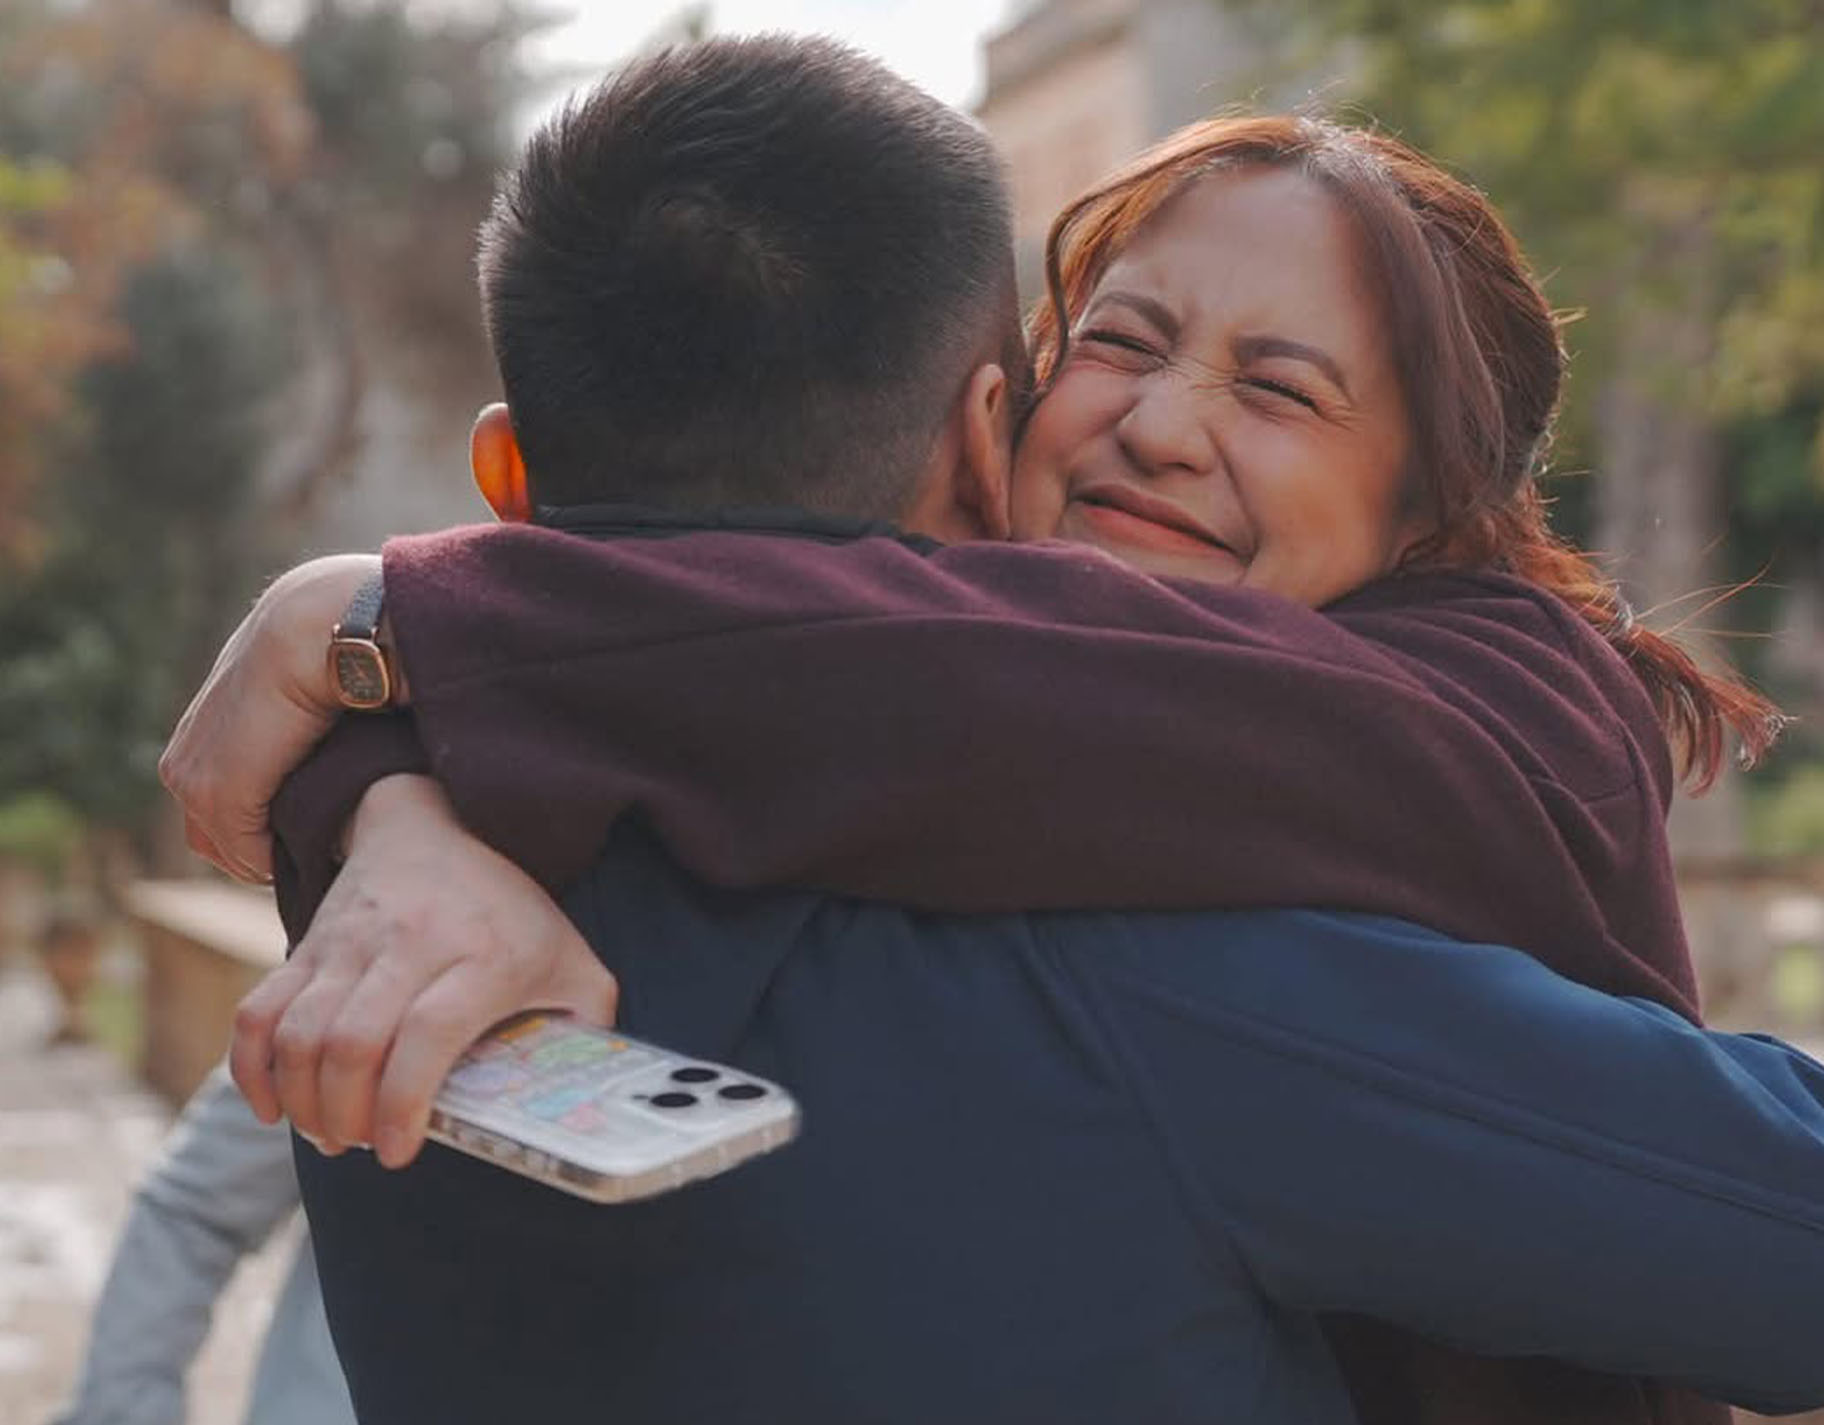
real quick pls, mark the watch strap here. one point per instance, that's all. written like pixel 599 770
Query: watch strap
pixel 362 617
pixel 359 669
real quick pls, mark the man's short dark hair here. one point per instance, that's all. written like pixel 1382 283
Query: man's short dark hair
pixel 747 271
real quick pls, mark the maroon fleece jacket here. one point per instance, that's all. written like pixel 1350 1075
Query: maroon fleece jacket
pixel 1000 727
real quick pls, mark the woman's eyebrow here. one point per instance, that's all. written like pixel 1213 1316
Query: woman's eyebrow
pixel 1149 308
pixel 1251 348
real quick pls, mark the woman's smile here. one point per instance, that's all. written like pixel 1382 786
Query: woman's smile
pixel 1115 516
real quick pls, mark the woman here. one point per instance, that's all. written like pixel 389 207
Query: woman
pixel 1305 369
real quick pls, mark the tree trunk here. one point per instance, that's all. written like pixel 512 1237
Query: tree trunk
pixel 1660 520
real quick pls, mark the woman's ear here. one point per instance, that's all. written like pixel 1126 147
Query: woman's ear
pixel 500 471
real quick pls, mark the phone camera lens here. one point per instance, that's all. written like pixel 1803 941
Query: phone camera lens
pixel 673 1100
pixel 741 1091
pixel 695 1074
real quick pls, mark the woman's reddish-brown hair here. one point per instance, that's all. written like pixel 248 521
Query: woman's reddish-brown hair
pixel 1481 363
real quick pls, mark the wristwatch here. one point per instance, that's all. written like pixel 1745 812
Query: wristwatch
pixel 360 670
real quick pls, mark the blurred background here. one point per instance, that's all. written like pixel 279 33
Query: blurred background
pixel 238 327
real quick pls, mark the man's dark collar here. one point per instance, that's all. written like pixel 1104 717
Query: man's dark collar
pixel 610 521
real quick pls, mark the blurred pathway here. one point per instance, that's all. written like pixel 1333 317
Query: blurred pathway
pixel 75 1133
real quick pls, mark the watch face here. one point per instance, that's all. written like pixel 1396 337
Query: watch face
pixel 360 675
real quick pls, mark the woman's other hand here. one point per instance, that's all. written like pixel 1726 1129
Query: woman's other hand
pixel 426 940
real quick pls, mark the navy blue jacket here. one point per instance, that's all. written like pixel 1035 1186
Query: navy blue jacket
pixel 1101 1168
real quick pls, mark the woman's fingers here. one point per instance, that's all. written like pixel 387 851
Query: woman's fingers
pixel 297 1054
pixel 357 1044
pixel 256 1019
pixel 559 972
pixel 443 1021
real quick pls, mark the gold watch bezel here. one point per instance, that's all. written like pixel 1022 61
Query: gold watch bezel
pixel 374 656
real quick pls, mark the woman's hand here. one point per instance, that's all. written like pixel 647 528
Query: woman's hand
pixel 262 708
pixel 427 939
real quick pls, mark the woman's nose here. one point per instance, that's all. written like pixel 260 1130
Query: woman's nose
pixel 1168 428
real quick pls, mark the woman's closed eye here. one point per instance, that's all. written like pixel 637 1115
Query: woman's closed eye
pixel 1120 341
pixel 1281 389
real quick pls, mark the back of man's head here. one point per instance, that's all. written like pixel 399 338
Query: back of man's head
pixel 747 271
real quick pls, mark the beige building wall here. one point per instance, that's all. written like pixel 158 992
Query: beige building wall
pixel 1066 102
pixel 1077 87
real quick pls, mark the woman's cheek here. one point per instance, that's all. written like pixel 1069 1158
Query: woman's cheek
pixel 1039 481
pixel 1077 411
pixel 1038 504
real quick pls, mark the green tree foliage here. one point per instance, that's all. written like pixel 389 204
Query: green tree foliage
pixel 126 130
pixel 191 217
pixel 411 114
pixel 54 314
pixel 32 379
pixel 40 831
pixel 1789 820
pixel 147 508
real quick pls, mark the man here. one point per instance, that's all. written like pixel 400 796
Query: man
pixel 1055 1168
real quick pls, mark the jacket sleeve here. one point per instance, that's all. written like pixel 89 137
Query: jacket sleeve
pixel 315 803
pixel 1455 1140
pixel 992 727
pixel 223 1184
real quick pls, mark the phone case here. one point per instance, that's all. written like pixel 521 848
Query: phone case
pixel 603 1116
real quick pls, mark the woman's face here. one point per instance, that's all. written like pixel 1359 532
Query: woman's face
pixel 1228 409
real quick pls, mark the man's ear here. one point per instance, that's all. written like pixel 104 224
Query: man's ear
pixel 984 476
pixel 500 471
pixel 964 494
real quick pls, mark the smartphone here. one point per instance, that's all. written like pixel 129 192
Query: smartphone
pixel 603 1116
